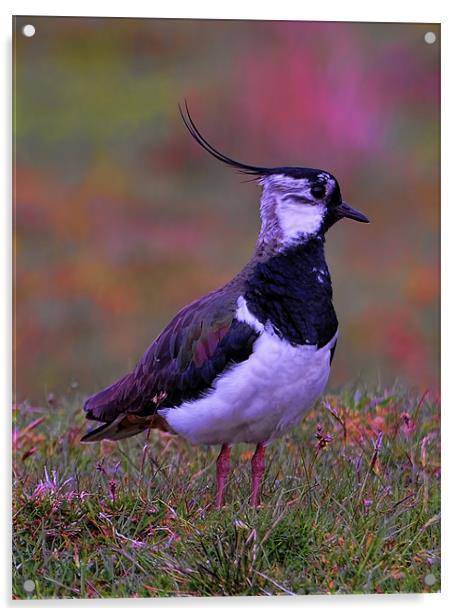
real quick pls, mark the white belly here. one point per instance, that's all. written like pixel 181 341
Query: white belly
pixel 258 399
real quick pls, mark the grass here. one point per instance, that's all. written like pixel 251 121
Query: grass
pixel 351 504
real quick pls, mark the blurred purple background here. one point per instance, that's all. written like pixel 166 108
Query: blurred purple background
pixel 120 218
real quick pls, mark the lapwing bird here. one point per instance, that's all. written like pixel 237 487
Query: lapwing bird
pixel 244 363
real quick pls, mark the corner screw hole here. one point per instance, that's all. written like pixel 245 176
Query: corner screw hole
pixel 28 30
pixel 29 586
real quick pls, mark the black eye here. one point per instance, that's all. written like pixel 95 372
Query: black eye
pixel 318 191
pixel 298 199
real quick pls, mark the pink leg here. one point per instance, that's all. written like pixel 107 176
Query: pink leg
pixel 258 468
pixel 222 472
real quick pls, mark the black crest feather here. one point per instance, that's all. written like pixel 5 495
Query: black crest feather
pixel 193 130
pixel 297 173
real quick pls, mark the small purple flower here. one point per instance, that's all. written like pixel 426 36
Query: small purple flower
pixel 50 486
pixel 367 502
pixel 113 489
pixel 323 438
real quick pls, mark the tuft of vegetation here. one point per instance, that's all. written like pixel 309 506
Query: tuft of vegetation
pixel 351 503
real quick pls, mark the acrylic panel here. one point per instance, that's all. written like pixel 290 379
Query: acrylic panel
pixel 121 218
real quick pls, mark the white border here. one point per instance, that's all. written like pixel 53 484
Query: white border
pixel 334 10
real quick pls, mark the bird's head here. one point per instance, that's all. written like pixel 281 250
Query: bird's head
pixel 297 202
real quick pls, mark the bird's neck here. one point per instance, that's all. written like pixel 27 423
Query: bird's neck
pixel 291 290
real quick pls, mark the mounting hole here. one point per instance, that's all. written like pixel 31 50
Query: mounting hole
pixel 430 38
pixel 29 586
pixel 28 30
pixel 430 579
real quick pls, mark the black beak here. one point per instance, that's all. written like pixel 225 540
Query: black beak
pixel 346 211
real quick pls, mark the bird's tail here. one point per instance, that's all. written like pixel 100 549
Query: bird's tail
pixel 126 425
pixel 118 409
pixel 113 407
pixel 113 401
pixel 121 427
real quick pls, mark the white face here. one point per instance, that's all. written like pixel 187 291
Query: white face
pixel 298 219
pixel 299 212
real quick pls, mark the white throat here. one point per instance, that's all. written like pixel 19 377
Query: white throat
pixel 298 220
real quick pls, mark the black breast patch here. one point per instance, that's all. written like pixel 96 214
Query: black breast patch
pixel 293 291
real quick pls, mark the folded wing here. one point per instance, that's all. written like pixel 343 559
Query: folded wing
pixel 200 343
